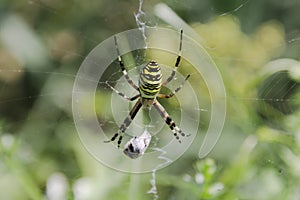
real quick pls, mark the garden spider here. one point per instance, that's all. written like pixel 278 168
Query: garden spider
pixel 150 83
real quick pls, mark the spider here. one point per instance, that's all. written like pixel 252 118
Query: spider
pixel 150 83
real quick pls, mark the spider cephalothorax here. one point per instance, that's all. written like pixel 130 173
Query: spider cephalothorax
pixel 150 83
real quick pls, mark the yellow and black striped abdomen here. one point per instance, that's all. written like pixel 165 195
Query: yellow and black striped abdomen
pixel 150 80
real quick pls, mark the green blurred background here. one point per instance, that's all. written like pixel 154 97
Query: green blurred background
pixel 256 46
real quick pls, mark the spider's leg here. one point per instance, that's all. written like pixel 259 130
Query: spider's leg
pixel 123 66
pixel 126 123
pixel 163 113
pixel 121 94
pixel 177 62
pixel 175 91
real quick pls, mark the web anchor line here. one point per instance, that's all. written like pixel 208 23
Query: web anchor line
pixel 153 189
pixel 141 24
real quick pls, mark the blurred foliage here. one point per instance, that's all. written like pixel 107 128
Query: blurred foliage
pixel 255 45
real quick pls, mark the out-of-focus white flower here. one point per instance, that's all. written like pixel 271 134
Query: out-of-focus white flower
pixel 57 187
pixel 216 188
pixel 199 178
pixel 7 140
pixel 83 189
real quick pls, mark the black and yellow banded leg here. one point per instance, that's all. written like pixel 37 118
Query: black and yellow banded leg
pixel 126 123
pixel 177 62
pixel 122 94
pixel 163 113
pixel 121 63
pixel 175 91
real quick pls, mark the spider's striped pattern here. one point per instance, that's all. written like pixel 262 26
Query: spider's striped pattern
pixel 150 83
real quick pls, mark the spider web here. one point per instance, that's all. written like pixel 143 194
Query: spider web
pixel 40 101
